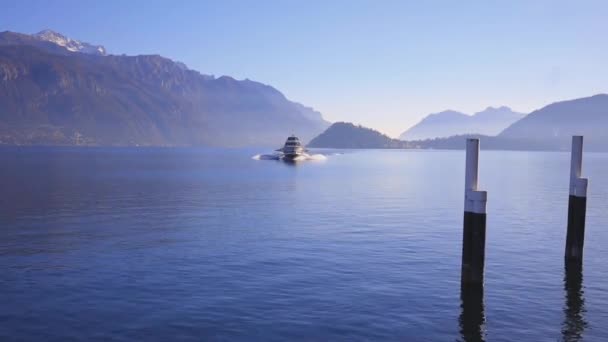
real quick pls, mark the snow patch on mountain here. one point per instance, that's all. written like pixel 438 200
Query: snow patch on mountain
pixel 69 43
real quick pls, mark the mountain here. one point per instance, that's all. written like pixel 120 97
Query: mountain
pixel 546 129
pixel 50 94
pixel 490 121
pixel 557 122
pixel 69 43
pixel 457 142
pixel 347 135
pixel 8 38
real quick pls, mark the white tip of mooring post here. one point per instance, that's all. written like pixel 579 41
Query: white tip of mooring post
pixel 475 201
pixel 578 185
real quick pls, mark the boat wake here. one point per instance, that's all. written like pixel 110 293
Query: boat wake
pixel 266 157
pixel 291 152
pixel 303 157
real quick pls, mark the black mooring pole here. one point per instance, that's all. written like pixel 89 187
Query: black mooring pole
pixel 474 227
pixel 577 204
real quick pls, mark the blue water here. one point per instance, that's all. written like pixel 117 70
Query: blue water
pixel 198 244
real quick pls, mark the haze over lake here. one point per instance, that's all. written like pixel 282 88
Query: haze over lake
pixel 295 171
pixel 210 244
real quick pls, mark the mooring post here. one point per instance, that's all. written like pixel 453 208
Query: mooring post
pixel 577 204
pixel 474 227
pixel 472 313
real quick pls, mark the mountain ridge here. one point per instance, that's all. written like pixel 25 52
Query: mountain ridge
pixel 52 96
pixel 69 43
pixel 549 128
pixel 489 121
pixel 349 135
pixel 558 121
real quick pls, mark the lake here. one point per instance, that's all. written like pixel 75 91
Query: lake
pixel 161 244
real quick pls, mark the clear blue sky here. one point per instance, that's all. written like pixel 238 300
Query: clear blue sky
pixel 383 64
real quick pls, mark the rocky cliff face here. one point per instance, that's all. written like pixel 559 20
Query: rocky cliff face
pixel 51 95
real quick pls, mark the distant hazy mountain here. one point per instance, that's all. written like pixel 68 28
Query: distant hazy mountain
pixel 490 121
pixel 549 128
pixel 557 122
pixel 457 142
pixel 54 90
pixel 347 135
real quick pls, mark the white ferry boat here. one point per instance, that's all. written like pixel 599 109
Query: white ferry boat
pixel 292 148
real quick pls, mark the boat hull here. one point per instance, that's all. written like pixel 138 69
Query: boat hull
pixel 292 156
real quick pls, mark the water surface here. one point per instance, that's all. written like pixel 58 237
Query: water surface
pixel 200 244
